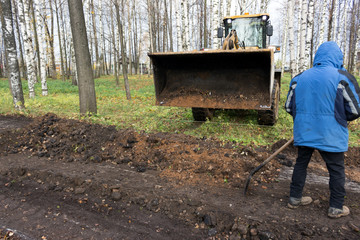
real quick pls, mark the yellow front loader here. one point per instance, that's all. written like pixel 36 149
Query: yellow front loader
pixel 241 75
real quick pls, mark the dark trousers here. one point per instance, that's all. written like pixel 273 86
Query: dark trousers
pixel 335 165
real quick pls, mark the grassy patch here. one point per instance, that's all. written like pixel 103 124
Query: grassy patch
pixel 141 113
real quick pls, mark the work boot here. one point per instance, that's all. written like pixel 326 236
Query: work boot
pixel 337 212
pixel 296 202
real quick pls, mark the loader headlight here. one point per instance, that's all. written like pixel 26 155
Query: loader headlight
pixel 264 18
pixel 229 21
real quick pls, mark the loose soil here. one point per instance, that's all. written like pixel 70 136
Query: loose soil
pixel 68 179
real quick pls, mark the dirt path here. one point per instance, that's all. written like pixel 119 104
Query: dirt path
pixel 64 179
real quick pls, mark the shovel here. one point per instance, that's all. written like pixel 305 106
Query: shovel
pixel 265 162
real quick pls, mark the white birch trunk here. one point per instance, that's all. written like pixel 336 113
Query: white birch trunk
pixel 284 39
pixel 344 32
pixel 264 6
pixel 215 24
pixel 42 46
pixel 291 38
pixel 256 6
pixel 309 26
pixel 28 47
pixel 297 58
pixel 11 56
pixel 302 62
pixel 129 38
pixel 322 22
pixel 228 7
pixel 357 48
pixel 185 24
pixel 102 40
pixel 179 38
pixel 335 24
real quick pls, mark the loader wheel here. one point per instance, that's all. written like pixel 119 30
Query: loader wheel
pixel 201 114
pixel 269 117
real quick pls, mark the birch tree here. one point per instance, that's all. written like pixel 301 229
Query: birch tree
pixel 228 7
pixel 19 46
pixel 291 38
pixel 96 45
pixel 86 84
pixel 122 45
pixel 335 32
pixel 42 46
pixel 179 38
pixel 330 36
pixel 185 25
pixel 115 49
pixel 215 25
pixel 302 62
pixel 11 55
pixel 344 29
pixel 322 23
pixel 309 34
pixel 284 39
pixel 264 6
pixel 24 17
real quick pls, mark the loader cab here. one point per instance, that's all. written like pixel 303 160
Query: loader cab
pixel 253 31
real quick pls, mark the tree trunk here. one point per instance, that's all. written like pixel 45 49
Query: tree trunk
pixel 86 84
pixel 11 54
pixel 179 37
pixel 215 25
pixel 291 38
pixel 171 39
pixel 331 16
pixel 51 43
pixel 344 32
pixel 322 23
pixel 115 45
pixel 150 17
pixel 123 51
pixel 284 39
pixel 309 36
pixel 42 47
pixel 129 38
pixel 228 7
pixel 64 42
pixel 205 25
pixel 103 67
pixel 335 28
pixel 21 60
pixel 185 25
pixel 24 16
pixel 37 61
pixel 74 74
pixel 96 46
pixel 302 62
pixel 357 39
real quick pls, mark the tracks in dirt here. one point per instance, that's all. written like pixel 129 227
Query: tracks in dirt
pixel 37 198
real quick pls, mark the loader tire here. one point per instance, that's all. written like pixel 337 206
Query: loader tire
pixel 269 117
pixel 201 114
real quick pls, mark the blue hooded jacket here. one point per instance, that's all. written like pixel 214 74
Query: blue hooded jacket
pixel 322 100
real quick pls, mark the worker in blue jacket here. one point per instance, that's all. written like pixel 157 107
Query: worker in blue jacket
pixel 322 100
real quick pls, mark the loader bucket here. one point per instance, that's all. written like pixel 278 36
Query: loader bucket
pixel 219 79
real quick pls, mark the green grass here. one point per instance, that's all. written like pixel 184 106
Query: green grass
pixel 141 114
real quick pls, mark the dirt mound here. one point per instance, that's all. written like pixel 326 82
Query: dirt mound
pixel 183 157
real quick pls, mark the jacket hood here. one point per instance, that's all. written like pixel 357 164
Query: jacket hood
pixel 329 53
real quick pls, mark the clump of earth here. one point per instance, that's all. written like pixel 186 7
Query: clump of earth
pixel 95 179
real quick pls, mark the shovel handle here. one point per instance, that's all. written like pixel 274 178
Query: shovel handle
pixel 265 162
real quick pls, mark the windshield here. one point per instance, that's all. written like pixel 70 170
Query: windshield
pixel 249 30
